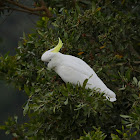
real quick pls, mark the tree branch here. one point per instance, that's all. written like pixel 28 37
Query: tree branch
pixel 31 10
pixel 22 10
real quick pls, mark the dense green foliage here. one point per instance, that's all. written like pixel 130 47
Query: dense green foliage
pixel 106 36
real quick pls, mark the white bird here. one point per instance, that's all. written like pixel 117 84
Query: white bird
pixel 74 70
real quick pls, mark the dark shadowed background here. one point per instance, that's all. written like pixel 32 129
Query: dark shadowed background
pixel 11 29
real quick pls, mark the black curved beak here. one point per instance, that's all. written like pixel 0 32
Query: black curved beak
pixel 46 64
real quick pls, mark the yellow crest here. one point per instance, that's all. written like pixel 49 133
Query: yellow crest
pixel 58 47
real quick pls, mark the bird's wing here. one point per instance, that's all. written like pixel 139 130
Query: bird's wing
pixel 71 75
pixel 78 65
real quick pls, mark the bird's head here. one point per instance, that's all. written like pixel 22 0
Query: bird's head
pixel 48 55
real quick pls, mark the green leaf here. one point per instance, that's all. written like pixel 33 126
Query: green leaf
pixel 30 42
pixel 123 88
pixel 40 33
pixel 7 132
pixel 119 131
pixel 26 90
pixel 37 90
pixel 54 109
pixel 115 137
pixel 77 37
pixel 25 109
pixel 65 35
pixel 77 8
pixel 93 6
pixel 135 96
pixel 125 116
pixel 85 83
pixel 15 135
pixel 122 128
pixel 125 135
pixel 109 104
pixel 16 118
pixel 135 80
pixel 128 74
pixel 134 134
pixel 139 84
pixel 2 127
pixel 66 102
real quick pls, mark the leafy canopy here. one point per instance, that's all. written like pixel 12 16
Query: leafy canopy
pixel 106 35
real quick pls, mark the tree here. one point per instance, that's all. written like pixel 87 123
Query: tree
pixel 105 34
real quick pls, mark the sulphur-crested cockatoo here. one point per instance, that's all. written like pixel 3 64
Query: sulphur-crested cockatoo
pixel 74 70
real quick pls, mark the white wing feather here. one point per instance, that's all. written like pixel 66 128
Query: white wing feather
pixel 74 70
